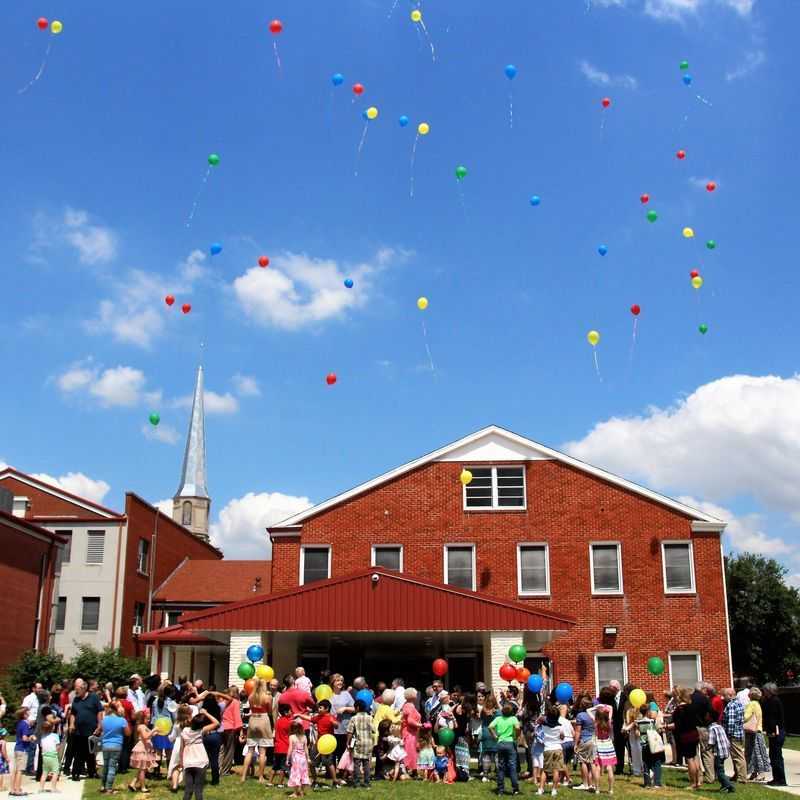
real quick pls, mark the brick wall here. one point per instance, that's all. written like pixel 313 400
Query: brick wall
pixel 45 504
pixel 567 508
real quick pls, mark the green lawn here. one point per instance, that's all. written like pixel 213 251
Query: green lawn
pixel 627 788
pixel 792 743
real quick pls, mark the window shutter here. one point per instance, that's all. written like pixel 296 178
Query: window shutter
pixel 96 546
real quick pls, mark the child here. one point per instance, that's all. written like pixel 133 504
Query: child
pixel 719 743
pixel 182 720
pixel 553 761
pixel 325 723
pixel 382 748
pixel 48 747
pixel 567 744
pixel 440 764
pixel 143 756
pixel 506 729
pixel 301 681
pixel 651 761
pixel 359 740
pixel 282 728
pixel 425 752
pixel 397 753
pixel 606 758
pixel 537 751
pixel 25 742
pixel 4 768
pixel 194 758
pixel 298 758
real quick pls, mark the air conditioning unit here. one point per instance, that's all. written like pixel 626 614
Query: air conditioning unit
pixel 137 629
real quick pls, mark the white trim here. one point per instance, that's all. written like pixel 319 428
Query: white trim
pixel 610 654
pixel 495 506
pixel 303 549
pixel 698 658
pixel 700 526
pixel 471 545
pixel 727 615
pixel 607 592
pixel 546 592
pixel 693 513
pixel 687 543
pixel 396 546
pixel 48 488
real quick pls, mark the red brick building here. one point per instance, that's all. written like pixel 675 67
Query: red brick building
pixel 593 573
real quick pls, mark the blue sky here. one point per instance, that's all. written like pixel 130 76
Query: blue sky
pixel 106 153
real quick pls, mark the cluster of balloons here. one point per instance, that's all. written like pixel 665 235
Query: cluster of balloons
pixel 56 26
pixel 249 669
pixel 170 300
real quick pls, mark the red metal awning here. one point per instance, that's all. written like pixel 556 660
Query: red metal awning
pixel 357 602
pixel 176 634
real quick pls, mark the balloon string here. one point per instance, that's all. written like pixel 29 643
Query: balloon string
pixel 510 108
pixel 361 146
pixel 427 349
pixel 197 197
pixel 41 69
pixel 428 38
pixel 413 159
pixel 277 56
pixel 391 10
pixel 704 100
pixel 633 341
pixel 597 365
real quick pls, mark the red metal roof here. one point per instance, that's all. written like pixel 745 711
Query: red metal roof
pixel 175 634
pixel 212 582
pixel 356 602
pixel 20 523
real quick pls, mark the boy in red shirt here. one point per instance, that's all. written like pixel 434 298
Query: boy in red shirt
pixel 281 739
pixel 325 723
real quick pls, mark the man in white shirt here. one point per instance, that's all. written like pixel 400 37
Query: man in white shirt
pixel 399 694
pixel 31 703
pixel 135 693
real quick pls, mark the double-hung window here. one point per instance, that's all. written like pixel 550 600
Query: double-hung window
pixel 495 488
pixel 388 556
pixel 315 564
pixel 459 565
pixel 533 569
pixel 90 614
pixel 61 613
pixel 678 561
pixel 143 557
pixel 606 567
pixel 610 667
pixel 684 669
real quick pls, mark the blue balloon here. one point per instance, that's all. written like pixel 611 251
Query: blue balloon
pixel 535 683
pixel 348 282
pixel 603 249
pixel 255 652
pixel 511 71
pixel 535 200
pixel 215 249
pixel 687 79
pixel 564 692
pixel 366 697
pixel 337 79
pixel 364 114
pixel 403 121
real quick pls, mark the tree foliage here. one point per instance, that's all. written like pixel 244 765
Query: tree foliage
pixel 764 618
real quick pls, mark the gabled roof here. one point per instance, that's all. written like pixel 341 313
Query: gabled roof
pixel 495 444
pixel 357 602
pixel 212 582
pixel 26 526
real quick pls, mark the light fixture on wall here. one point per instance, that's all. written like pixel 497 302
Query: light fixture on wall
pixel 610 630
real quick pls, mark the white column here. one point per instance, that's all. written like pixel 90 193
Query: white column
pixel 495 654
pixel 237 652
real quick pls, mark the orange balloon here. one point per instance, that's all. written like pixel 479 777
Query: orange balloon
pixel 249 686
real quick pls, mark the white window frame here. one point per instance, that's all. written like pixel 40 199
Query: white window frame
pixel 395 546
pixel 698 658
pixel 688 542
pixel 146 570
pixel 611 654
pixel 471 545
pixel 607 592
pixel 303 549
pixel 494 506
pixel 546 592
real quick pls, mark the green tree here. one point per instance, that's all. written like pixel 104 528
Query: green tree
pixel 106 665
pixel 764 617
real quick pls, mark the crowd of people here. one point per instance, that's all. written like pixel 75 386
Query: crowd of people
pixel 286 733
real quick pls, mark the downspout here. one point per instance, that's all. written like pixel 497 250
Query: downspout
pixel 53 579
pixel 151 576
pixel 116 633
pixel 37 622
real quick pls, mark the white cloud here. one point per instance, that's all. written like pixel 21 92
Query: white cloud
pixel 164 506
pixel 600 78
pixel 700 183
pixel 299 291
pixel 240 530
pixel 112 387
pixel 246 385
pixel 678 10
pixel 161 433
pixel 213 403
pixel 753 59
pixel 77 483
pixel 738 436
pixel 95 244
pixel 76 377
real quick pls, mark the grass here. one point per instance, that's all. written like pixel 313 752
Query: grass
pixel 626 788
pixel 792 743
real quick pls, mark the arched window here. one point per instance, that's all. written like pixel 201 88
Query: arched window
pixel 187 513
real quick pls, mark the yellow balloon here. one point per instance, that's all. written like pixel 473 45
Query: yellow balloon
pixel 593 337
pixel 163 726
pixel 422 303
pixel 56 26
pixel 264 672
pixel 423 129
pixel 372 112
pixel 326 744
pixel 323 692
pixel 465 477
pixel 416 15
pixel 688 233
pixel 697 282
pixel 637 698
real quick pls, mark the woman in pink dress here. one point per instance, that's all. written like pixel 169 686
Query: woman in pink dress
pixel 411 721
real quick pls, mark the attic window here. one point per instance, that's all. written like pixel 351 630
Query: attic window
pixel 495 488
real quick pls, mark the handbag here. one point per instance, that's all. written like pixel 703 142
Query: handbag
pixel 655 744
pixel 751 725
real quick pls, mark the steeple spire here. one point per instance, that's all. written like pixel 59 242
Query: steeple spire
pixel 191 502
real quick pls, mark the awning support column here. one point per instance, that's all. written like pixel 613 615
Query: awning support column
pixel 495 653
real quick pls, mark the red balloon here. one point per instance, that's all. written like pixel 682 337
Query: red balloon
pixel 710 186
pixel 186 308
pixel 330 378
pixel 276 26
pixel 523 673
pixel 508 672
pixel 606 101
pixel 358 88
pixel 694 273
pixel 439 668
pixel 645 198
pixel 635 310
pixel 169 299
pixel 263 261
pixel 42 23
pixel 681 154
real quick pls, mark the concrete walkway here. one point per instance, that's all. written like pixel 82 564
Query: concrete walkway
pixel 67 789
pixel 791 761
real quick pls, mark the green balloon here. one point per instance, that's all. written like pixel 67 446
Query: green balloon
pixel 711 244
pixel 655 665
pixel 213 159
pixel 684 64
pixel 446 737
pixel 652 216
pixel 517 653
pixel 461 172
pixel 246 670
pixel 703 328
pixel 154 418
